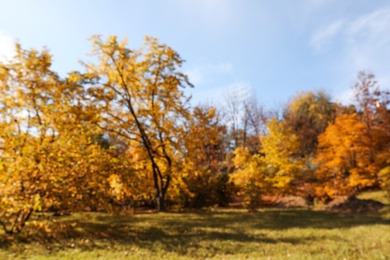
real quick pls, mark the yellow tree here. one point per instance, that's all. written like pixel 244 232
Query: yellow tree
pixel 48 153
pixel 250 177
pixel 26 86
pixel 281 149
pixel 202 182
pixel 140 99
pixel 273 169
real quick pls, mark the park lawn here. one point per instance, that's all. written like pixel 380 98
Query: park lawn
pixel 217 234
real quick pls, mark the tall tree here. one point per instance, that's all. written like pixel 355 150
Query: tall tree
pixel 140 98
pixel 254 123
pixel 372 106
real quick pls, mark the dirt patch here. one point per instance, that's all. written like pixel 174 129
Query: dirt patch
pixel 352 204
pixel 292 202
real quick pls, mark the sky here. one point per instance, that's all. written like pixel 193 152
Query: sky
pixel 268 49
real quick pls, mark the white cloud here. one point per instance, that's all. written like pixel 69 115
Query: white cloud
pixel 363 43
pixel 373 23
pixel 205 73
pixel 221 68
pixel 211 95
pixel 7 46
pixel 324 35
pixel 238 90
pixel 218 96
pixel 368 40
pixel 207 77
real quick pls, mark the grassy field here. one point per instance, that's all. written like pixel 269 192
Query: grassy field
pixel 218 234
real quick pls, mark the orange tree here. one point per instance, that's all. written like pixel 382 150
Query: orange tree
pixel 345 164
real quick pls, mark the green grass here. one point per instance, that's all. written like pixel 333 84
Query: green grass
pixel 219 234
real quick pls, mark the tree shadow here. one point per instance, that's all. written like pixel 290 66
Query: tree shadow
pixel 183 233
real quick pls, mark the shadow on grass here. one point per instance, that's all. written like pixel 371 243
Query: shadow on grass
pixel 184 233
pixel 272 219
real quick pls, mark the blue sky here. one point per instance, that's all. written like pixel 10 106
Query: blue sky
pixel 271 48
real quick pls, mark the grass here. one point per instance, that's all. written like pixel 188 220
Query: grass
pixel 380 196
pixel 218 234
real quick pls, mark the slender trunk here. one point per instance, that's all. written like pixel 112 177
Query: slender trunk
pixel 160 194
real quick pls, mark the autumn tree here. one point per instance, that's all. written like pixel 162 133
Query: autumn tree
pixel 273 169
pixel 250 177
pixel 281 148
pixel 308 115
pixel 49 155
pixel 140 98
pixel 372 106
pixel 345 165
pixel 26 86
pixel 203 181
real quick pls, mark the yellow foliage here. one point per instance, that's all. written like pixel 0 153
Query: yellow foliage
pixel 281 149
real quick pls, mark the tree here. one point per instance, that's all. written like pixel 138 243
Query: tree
pixel 308 115
pixel 372 102
pixel 273 169
pixel 344 160
pixel 49 155
pixel 250 177
pixel 26 85
pixel 254 123
pixel 140 99
pixel 372 106
pixel 203 181
pixel 281 149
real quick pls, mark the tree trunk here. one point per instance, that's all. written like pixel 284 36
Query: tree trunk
pixel 160 203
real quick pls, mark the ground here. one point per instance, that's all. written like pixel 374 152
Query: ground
pixel 212 233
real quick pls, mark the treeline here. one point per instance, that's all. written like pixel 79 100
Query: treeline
pixel 121 134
